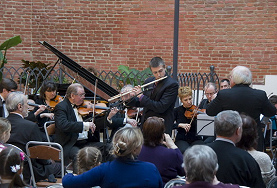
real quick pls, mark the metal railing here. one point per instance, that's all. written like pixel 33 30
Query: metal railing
pixel 30 80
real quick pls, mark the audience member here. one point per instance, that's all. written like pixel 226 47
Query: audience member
pixel 117 119
pixel 11 167
pixel 158 99
pixel 6 86
pixel 5 132
pixel 242 98
pixel 200 164
pixel 23 131
pixel 167 159
pixel 88 158
pixel 236 166
pixel 225 84
pixel 248 142
pixel 124 171
pixel 71 132
pixel 273 100
pixel 187 129
pixel 210 91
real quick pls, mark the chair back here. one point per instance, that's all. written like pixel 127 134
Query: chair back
pixel 44 150
pixel 49 129
pixel 175 182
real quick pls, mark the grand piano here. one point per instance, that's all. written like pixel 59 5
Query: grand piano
pixel 87 79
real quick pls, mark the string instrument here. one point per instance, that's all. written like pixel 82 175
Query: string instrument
pixel 193 111
pixel 133 112
pixel 86 108
pixel 55 101
pixel 37 105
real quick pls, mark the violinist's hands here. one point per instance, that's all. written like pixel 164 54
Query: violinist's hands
pixel 132 122
pixel 92 127
pixel 185 126
pixel 113 111
pixel 48 115
pixel 169 142
pixel 137 90
pixel 40 109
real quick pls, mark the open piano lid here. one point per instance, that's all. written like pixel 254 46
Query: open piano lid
pixel 81 75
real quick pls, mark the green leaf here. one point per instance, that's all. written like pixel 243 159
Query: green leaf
pixel 1 59
pixel 10 43
pixel 123 68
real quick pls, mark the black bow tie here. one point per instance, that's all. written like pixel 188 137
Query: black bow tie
pixel 74 106
pixel 3 102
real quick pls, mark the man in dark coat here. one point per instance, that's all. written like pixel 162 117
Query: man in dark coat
pixel 242 98
pixel 158 99
pixel 23 131
pixel 236 166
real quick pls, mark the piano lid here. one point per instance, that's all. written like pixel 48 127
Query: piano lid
pixel 81 75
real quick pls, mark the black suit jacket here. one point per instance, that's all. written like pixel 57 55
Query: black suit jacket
pixel 23 131
pixel 242 98
pixel 1 109
pixel 236 166
pixel 159 101
pixel 117 123
pixel 67 127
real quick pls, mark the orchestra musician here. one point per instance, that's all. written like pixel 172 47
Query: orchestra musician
pixel 71 132
pixel 185 122
pixel 6 86
pixel 158 99
pixel 116 118
pixel 45 103
pixel 210 91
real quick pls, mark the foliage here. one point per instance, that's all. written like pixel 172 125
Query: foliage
pixel 35 73
pixel 132 76
pixel 5 46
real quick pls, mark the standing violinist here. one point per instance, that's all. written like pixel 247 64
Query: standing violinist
pixel 186 121
pixel 117 119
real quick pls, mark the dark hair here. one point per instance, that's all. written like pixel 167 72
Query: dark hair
pixel 249 136
pixel 7 84
pixel 88 158
pixel 156 61
pixel 47 86
pixel 225 79
pixel 153 131
pixel 10 158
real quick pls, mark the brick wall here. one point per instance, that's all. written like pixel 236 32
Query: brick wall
pixel 104 34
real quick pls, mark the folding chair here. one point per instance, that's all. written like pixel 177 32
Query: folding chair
pixel 49 128
pixel 48 151
pixel 268 126
pixel 175 182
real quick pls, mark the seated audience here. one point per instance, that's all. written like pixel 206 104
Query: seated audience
pixel 11 166
pixel 186 127
pixel 236 166
pixel 5 132
pixel 88 158
pixel 23 131
pixel 200 164
pixel 124 171
pixel 167 159
pixel 6 86
pixel 249 141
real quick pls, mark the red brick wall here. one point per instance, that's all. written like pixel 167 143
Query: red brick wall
pixel 104 34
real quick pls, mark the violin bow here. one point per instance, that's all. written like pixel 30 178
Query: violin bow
pixel 197 107
pixel 94 100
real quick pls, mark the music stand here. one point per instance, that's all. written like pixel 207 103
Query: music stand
pixel 205 125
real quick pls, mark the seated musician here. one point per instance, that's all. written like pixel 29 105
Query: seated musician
pixel 71 132
pixel 47 100
pixel 210 90
pixel 117 119
pixel 187 127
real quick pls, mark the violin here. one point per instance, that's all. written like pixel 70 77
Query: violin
pixel 193 111
pixel 55 101
pixel 133 112
pixel 86 108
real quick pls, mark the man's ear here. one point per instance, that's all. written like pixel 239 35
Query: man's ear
pixel 19 106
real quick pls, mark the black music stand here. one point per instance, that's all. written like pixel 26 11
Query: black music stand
pixel 205 125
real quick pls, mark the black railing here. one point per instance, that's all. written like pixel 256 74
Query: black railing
pixel 30 80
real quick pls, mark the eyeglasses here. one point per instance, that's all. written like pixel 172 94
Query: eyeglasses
pixel 81 94
pixel 209 93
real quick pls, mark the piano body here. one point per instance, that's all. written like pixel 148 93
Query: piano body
pixel 85 78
